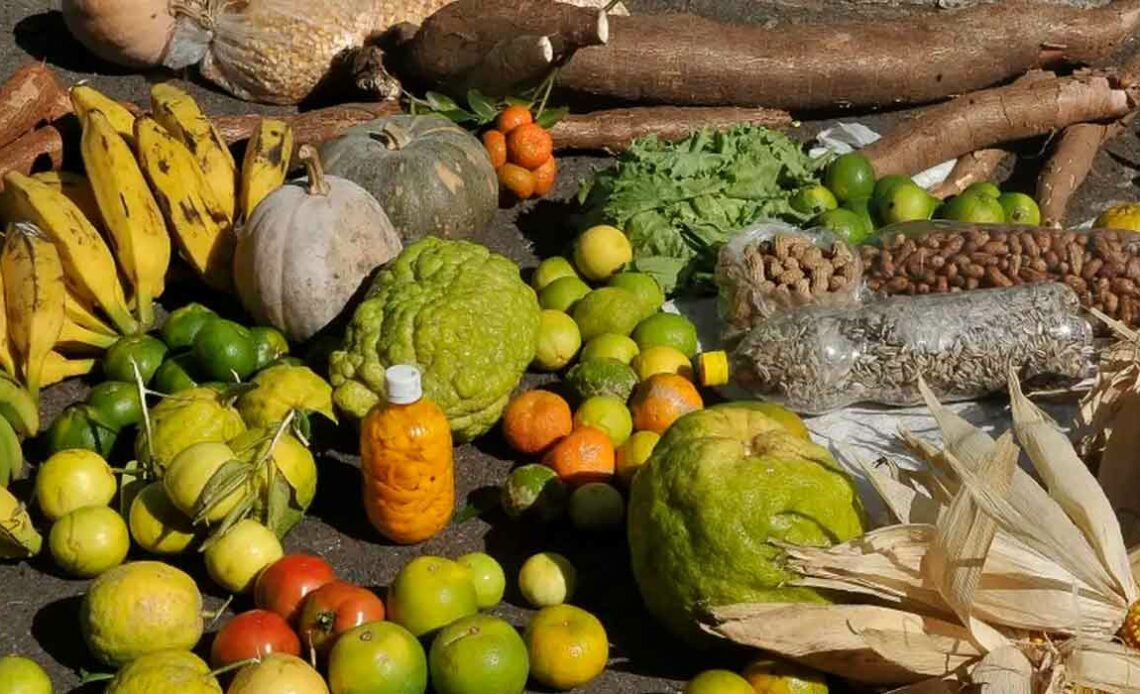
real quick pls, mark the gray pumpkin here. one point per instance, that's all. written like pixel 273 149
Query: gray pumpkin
pixel 431 176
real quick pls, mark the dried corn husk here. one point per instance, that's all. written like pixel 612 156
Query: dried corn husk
pixel 1005 670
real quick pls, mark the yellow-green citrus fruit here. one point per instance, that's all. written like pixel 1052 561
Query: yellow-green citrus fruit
pixel 119 625
pixel 23 676
pixel 165 671
pixel 378 657
pixel 546 579
pixel 775 677
pixel 89 540
pixel 642 285
pixel 718 682
pixel 279 673
pixel 813 200
pixel 295 463
pixel 987 188
pixel 562 293
pixel 1124 216
pixel 601 252
pixel 662 360
pixel 558 341
pixel 72 479
pixel 850 176
pixel 488 577
pixel 844 223
pixel 906 203
pixel 668 329
pixel 608 310
pixel 236 558
pixel 143 350
pixel 549 270
pixel 1020 209
pixel 191 470
pixel 194 416
pixel 596 506
pixel 612 346
pixel 977 209
pixel 478 654
pixel 633 454
pixel 568 647
pixel 887 184
pixel 607 413
pixel 431 592
pixel 157 525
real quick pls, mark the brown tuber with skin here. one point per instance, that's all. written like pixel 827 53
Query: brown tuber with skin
pixel 32 96
pixel 969 169
pixel 1069 165
pixel 38 150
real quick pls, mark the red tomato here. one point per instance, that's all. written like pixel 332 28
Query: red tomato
pixel 284 584
pixel 253 634
pixel 333 609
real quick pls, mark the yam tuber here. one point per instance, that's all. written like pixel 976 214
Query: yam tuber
pixel 38 150
pixel 1069 165
pixel 32 96
pixel 689 60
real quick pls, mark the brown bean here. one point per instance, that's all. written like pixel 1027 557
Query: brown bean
pixel 996 278
pixel 971 283
pixel 897 285
pixel 974 272
pixel 1091 268
pixel 1111 304
pixel 1052 260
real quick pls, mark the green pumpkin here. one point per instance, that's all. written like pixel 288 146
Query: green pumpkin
pixel 432 177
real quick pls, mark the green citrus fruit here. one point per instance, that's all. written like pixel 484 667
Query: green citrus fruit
pixel 905 203
pixel 610 346
pixel 23 676
pixel 558 341
pixel 533 490
pixel 1020 209
pixel 550 270
pixel 568 647
pixel 156 524
pixel 862 208
pixel 377 657
pixel 978 208
pixel 429 593
pixel 144 350
pixel 669 329
pixel 661 360
pixel 718 682
pixel 116 403
pixel 477 655
pixel 546 579
pixel 596 506
pixel 175 374
pixel 607 413
pixel 269 344
pixel 89 540
pixel 604 376
pixel 844 223
pixel 183 324
pixel 187 475
pixel 119 626
pixel 644 286
pixel 886 185
pixel 983 188
pixel 236 558
pixel 224 350
pixel 608 310
pixel 850 176
pixel 169 670
pixel 74 429
pixel 562 293
pixel 813 200
pixel 73 479
pixel 633 454
pixel 487 574
pixel 601 252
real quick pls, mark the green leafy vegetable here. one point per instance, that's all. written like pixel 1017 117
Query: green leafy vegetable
pixel 680 202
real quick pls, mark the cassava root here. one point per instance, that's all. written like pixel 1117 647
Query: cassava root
pixel 1069 165
pixel 969 169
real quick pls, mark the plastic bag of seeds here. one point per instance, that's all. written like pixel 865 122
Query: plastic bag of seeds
pixel 772 266
pixel 1101 265
pixel 815 360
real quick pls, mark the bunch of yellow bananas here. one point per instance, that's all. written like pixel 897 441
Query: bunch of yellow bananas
pixel 84 258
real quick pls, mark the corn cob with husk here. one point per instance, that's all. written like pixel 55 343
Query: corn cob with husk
pixel 989 578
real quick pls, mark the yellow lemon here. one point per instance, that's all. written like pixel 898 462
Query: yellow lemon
pixel 1123 216
pixel 662 359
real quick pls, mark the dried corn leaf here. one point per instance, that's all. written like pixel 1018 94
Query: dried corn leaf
pixel 1118 470
pixel 931 686
pixel 1004 670
pixel 875 645
pixel 1072 485
pixel 904 503
pixel 1101 665
pixel 962 541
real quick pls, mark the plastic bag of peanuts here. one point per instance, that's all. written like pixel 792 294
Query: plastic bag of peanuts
pixel 772 267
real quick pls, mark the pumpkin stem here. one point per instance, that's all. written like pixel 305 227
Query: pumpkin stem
pixel 393 136
pixel 317 183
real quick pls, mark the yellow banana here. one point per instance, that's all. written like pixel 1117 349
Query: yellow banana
pixel 200 227
pixel 86 99
pixel 80 314
pixel 7 360
pixel 74 339
pixel 11 453
pixel 18 407
pixel 76 188
pixel 134 221
pixel 266 163
pixel 58 367
pixel 177 111
pixel 89 264
pixel 18 537
pixel 33 291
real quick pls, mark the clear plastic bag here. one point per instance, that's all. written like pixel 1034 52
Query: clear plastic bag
pixel 815 360
pixel 772 266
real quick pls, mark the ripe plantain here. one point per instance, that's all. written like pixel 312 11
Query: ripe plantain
pixel 266 163
pixel 83 315
pixel 33 291
pixel 74 339
pixel 201 228
pixel 177 111
pixel 134 221
pixel 89 264
pixel 11 453
pixel 76 188
pixel 18 537
pixel 18 407
pixel 58 367
pixel 7 359
pixel 86 99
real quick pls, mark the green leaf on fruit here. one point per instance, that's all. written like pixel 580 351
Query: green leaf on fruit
pixel 280 496
pixel 551 116
pixel 483 107
pixel 226 480
pixel 441 102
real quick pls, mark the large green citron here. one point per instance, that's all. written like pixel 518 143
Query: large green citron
pixel 722 484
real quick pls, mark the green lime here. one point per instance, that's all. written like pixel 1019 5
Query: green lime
pixel 845 224
pixel 476 655
pixel 377 657
pixel 562 293
pixel 886 185
pixel 814 200
pixel 611 346
pixel 862 208
pixel 23 676
pixel 549 270
pixel 978 208
pixel 983 188
pixel 596 506
pixel 270 344
pixel 144 350
pixel 668 329
pixel 1020 209
pixel 850 176
pixel 224 351
pixel 533 490
pixel 175 374
pixel 558 341
pixel 183 324
pixel 117 403
pixel 74 428
pixel 644 286
pixel 905 203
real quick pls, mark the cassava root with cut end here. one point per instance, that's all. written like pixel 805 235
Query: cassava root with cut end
pixel 1069 165
pixel 32 96
pixel 311 127
pixel 38 150
pixel 983 119
pixel 689 60
pixel 969 169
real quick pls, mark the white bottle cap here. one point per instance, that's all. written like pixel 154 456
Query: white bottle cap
pixel 403 384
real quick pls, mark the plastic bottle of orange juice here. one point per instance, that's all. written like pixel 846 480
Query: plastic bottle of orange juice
pixel 407 461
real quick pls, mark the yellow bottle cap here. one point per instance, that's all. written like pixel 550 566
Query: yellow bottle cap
pixel 712 368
